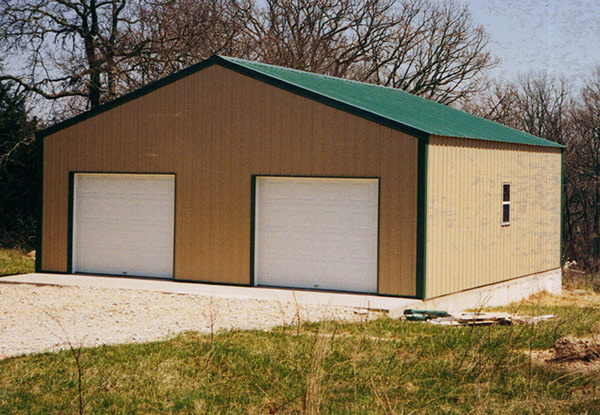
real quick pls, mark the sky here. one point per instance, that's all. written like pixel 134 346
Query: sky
pixel 561 37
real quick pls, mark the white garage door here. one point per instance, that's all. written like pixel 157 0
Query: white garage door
pixel 123 224
pixel 316 233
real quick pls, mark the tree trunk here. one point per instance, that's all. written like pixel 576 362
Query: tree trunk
pixel 94 62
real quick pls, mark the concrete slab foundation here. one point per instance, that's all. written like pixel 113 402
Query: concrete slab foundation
pixel 494 295
pixel 489 296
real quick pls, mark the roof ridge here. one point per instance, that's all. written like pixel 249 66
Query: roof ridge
pixel 337 78
pixel 393 90
pixel 392 107
pixel 334 78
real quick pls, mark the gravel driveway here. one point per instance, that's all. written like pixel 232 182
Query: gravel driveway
pixel 45 318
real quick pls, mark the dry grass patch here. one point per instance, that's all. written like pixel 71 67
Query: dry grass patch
pixel 380 366
pixel 570 298
pixel 577 352
pixel 16 261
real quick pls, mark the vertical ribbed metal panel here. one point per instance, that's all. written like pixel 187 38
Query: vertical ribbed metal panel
pixel 467 246
pixel 215 129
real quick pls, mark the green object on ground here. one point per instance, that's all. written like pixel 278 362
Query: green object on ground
pixel 422 315
pixel 366 367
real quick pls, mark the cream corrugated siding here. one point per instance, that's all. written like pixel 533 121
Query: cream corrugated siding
pixel 466 244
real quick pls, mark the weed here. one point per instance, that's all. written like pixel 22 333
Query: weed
pixel 210 316
pixel 312 397
pixel 375 366
pixel 15 261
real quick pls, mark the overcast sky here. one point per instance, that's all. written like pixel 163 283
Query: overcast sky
pixel 558 36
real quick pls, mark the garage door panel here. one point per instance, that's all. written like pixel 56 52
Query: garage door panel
pixel 94 261
pixel 123 224
pixel 362 222
pixel 90 210
pixel 366 192
pixel 333 191
pixel 317 233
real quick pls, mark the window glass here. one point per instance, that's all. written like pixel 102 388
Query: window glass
pixel 505 204
pixel 506 214
pixel 506 192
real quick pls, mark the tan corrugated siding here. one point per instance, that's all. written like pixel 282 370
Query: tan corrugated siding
pixel 214 130
pixel 467 246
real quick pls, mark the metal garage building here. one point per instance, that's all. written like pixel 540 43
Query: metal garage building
pixel 244 173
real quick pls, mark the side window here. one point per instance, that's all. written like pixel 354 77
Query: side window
pixel 505 204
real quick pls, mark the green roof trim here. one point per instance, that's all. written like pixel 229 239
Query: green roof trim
pixel 388 106
pixel 423 116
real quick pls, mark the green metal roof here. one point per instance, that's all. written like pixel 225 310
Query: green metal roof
pixel 388 106
pixel 417 115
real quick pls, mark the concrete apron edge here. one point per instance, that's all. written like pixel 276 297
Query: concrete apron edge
pixel 389 305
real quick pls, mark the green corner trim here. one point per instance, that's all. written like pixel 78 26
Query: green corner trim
pixel 421 216
pixel 71 201
pixel 562 204
pixel 252 228
pixel 39 143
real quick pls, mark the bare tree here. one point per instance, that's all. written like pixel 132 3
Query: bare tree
pixel 498 103
pixel 427 48
pixel 536 103
pixel 180 33
pixel 544 106
pixel 584 170
pixel 91 51
pixel 94 50
pixel 326 36
pixel 435 51
pixel 72 48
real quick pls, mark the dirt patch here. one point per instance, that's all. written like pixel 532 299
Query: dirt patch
pixel 571 354
pixel 574 349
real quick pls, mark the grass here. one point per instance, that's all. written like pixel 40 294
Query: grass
pixel 381 366
pixel 15 261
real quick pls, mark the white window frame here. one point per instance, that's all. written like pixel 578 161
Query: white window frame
pixel 506 203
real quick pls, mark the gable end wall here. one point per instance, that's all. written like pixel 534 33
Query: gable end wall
pixel 214 129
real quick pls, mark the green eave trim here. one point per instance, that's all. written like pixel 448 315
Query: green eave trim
pixel 244 70
pixel 393 108
pixel 130 96
pixel 421 217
